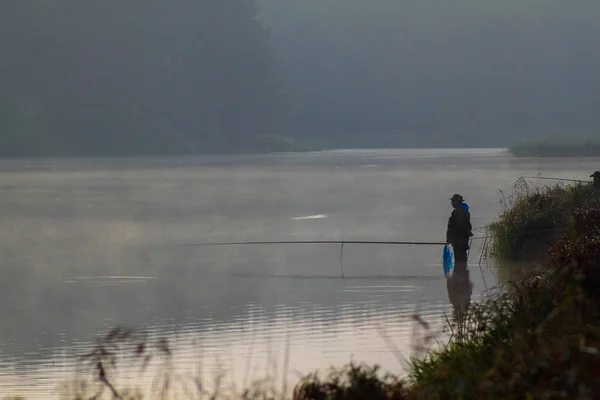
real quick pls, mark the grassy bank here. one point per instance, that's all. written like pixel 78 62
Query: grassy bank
pixel 557 147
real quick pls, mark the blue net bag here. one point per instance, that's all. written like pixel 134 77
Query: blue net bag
pixel 447 260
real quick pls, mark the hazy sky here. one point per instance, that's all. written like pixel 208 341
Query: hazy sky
pixel 475 68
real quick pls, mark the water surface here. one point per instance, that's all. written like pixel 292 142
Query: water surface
pixel 92 244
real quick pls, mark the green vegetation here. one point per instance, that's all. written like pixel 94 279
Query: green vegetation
pixel 540 340
pixel 534 217
pixel 558 147
pixel 352 382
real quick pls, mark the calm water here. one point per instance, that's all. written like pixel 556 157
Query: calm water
pixel 92 244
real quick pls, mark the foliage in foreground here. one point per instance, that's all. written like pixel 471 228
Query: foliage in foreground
pixel 534 341
pixel 351 382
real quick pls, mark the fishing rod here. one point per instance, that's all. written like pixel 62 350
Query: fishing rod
pixel 341 242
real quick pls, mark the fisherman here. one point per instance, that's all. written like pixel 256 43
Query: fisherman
pixel 596 176
pixel 459 228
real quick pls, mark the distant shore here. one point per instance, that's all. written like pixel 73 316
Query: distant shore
pixel 557 148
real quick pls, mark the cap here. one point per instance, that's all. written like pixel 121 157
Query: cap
pixel 457 197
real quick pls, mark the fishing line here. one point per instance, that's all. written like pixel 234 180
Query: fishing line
pixel 480 267
pixel 340 242
pixel 555 179
pixel 353 277
pixel 341 255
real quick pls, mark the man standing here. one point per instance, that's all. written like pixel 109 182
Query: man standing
pixel 459 228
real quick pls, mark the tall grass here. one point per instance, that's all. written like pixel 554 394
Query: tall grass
pixel 534 340
pixel 123 350
pixel 534 216
pixel 150 363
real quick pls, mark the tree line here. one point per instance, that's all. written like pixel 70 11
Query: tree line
pixel 215 76
pixel 114 77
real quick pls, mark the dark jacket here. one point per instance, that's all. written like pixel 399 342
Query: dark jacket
pixel 459 225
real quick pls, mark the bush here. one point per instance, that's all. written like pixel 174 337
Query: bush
pixel 534 217
pixel 354 382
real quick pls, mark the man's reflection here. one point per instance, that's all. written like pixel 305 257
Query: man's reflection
pixel 460 289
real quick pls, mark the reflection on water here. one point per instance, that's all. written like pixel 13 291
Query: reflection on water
pixel 253 339
pixel 511 271
pixel 90 244
pixel 460 290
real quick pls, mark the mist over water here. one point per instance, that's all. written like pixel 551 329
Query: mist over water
pixel 92 244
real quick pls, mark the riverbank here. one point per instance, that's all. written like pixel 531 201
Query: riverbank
pixel 540 338
pixel 560 147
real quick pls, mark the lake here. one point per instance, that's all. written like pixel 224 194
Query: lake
pixel 89 245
